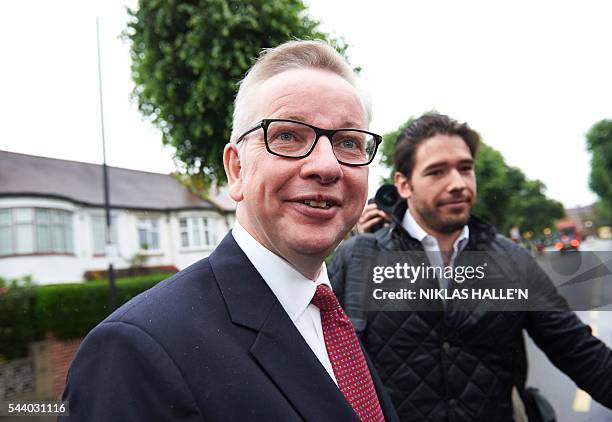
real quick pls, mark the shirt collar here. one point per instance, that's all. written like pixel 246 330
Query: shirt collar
pixel 416 231
pixel 293 290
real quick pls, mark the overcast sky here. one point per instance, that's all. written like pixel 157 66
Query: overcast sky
pixel 530 76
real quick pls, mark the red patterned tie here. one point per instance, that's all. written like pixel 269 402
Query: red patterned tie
pixel 346 357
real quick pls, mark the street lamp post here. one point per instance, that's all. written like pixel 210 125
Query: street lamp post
pixel 112 301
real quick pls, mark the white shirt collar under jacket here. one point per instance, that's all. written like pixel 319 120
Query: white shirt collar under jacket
pixel 430 243
pixel 293 290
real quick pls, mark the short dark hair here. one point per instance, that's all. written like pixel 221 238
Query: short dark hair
pixel 425 127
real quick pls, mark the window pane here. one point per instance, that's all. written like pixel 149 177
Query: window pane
pixel 148 236
pixel 59 239
pixel 24 238
pixel 184 228
pixel 56 217
pixel 142 239
pixel 207 238
pixel 67 217
pixel 196 236
pixel 42 216
pixel 23 215
pixel 154 240
pixel 184 237
pixel 69 243
pixel 209 235
pixel 5 217
pixel 113 231
pixel 6 241
pixel 43 238
pixel 184 240
pixel 43 231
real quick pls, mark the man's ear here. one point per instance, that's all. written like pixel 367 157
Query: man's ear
pixel 232 166
pixel 402 184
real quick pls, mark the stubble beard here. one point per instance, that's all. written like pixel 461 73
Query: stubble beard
pixel 441 224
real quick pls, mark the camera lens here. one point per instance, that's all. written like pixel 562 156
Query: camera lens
pixel 387 198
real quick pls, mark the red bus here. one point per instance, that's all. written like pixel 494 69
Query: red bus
pixel 570 234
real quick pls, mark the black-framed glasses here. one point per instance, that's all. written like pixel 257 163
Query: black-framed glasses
pixel 294 139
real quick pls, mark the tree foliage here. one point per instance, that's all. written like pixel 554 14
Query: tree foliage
pixel 505 196
pixel 388 146
pixel 187 59
pixel 602 215
pixel 599 143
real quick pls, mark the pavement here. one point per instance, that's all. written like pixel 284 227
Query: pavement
pixel 570 402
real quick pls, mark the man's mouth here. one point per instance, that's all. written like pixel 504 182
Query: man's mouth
pixel 317 201
pixel 455 202
pixel 318 204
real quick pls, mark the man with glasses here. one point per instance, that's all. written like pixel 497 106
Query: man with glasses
pixel 254 332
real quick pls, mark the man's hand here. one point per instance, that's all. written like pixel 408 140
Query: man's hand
pixel 370 217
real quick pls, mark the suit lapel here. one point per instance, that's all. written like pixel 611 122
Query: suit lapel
pixel 278 347
pixel 289 361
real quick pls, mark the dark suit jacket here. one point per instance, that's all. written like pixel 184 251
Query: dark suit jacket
pixel 211 343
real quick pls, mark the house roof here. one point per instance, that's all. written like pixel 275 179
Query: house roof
pixel 22 174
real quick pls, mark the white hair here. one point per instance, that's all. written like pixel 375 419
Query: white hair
pixel 296 54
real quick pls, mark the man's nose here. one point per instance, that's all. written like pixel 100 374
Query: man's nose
pixel 456 182
pixel 322 163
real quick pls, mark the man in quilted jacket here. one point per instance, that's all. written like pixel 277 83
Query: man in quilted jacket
pixel 447 364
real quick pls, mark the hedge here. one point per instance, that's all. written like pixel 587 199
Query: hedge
pixel 64 310
pixel 18 322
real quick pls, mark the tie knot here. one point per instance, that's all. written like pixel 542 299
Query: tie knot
pixel 325 299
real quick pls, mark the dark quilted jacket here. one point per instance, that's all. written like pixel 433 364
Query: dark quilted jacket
pixel 460 366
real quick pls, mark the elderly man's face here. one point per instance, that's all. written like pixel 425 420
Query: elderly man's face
pixel 272 190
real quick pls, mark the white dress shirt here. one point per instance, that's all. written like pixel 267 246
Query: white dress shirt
pixel 431 245
pixel 293 290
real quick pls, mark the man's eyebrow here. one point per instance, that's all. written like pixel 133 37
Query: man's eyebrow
pixel 435 165
pixel 467 161
pixel 445 164
pixel 350 124
pixel 346 124
pixel 296 117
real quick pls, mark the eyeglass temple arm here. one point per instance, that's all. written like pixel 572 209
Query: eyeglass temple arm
pixel 251 130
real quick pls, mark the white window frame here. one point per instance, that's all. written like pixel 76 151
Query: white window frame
pixel 6 227
pixel 58 226
pixel 196 227
pixel 151 226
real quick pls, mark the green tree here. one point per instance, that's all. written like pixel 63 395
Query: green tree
pixel 532 210
pixel 599 143
pixel 602 216
pixel 496 185
pixel 187 59
pixel 388 146
pixel 505 196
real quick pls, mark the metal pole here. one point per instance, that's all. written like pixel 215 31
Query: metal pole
pixel 112 302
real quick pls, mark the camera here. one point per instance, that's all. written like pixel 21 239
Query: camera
pixel 386 199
